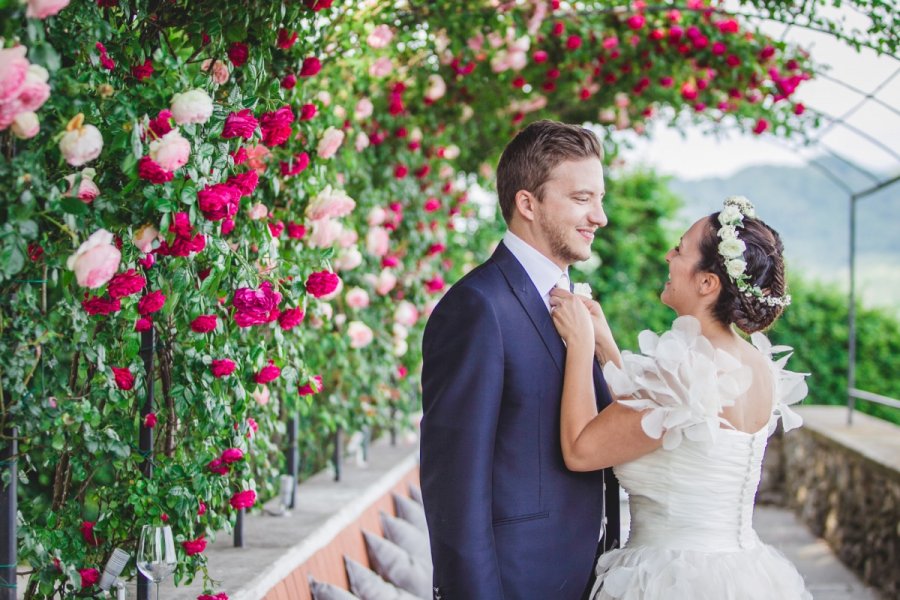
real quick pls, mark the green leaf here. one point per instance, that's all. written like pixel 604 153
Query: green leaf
pixel 74 206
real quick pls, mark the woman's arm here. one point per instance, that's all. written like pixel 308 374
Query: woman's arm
pixel 592 441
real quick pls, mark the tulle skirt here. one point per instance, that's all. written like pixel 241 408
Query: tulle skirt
pixel 651 573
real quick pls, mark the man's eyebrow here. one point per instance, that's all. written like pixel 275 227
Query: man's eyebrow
pixel 586 193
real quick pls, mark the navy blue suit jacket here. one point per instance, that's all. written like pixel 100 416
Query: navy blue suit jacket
pixel 506 518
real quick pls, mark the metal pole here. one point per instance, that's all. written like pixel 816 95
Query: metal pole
pixel 367 440
pixel 851 316
pixel 239 529
pixel 8 558
pixel 292 456
pixel 336 457
pixel 145 442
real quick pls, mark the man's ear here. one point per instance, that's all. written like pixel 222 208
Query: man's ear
pixel 710 284
pixel 525 204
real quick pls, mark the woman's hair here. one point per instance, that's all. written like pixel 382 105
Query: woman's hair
pixel 529 158
pixel 765 269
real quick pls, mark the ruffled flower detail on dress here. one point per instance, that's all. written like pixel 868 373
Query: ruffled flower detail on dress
pixel 683 383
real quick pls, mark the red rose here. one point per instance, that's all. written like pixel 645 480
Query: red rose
pixel 240 124
pixel 296 165
pixel 290 318
pixel 125 284
pixel 573 42
pixel 314 386
pixel 222 367
pixel 35 251
pixel 307 112
pixel 89 577
pixel 244 499
pixel 192 547
pixel 143 324
pixel 105 60
pixel 162 124
pixel 276 126
pixel 152 172
pixel 219 596
pixel 636 21
pixel 289 81
pixel 761 126
pixel 255 307
pixel 150 420
pixel 322 283
pixel 240 155
pixel 227 226
pixel 232 455
pixel 295 231
pixel 540 56
pixel 182 246
pixel 435 284
pixel 96 305
pixel 245 182
pixel 124 378
pixel 400 171
pixel 286 39
pixel 218 201
pixel 268 373
pixel 402 371
pixel 218 466
pixel 201 509
pixel 204 324
pixel 275 228
pixel 151 303
pixel 87 532
pixel 311 66
pixel 238 53
pixel 317 5
pixel 144 71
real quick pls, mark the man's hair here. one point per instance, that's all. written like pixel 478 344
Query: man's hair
pixel 529 158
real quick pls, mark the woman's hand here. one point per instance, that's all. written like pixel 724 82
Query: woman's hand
pixel 605 346
pixel 572 319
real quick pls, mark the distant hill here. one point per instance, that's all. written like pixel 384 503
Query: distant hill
pixel 812 215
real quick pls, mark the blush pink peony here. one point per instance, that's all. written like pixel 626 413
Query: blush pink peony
pixel 87 190
pixel 377 241
pixel 171 151
pixel 193 106
pixel 330 142
pixel 380 37
pixel 360 334
pixel 41 9
pixel 96 260
pixel 81 143
pixel 330 204
pixel 406 313
pixel 357 298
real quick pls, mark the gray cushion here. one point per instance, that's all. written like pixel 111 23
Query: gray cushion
pixel 407 536
pixel 411 511
pixel 394 564
pixel 327 591
pixel 415 492
pixel 369 586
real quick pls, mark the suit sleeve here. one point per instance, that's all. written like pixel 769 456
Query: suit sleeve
pixel 462 387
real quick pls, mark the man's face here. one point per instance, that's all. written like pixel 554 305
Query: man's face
pixel 571 211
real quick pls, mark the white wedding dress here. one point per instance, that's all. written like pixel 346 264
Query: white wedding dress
pixel 691 501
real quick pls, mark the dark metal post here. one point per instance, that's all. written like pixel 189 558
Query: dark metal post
pixel 292 456
pixel 393 427
pixel 851 316
pixel 366 441
pixel 145 442
pixel 8 557
pixel 336 457
pixel 239 529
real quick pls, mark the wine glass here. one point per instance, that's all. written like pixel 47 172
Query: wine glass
pixel 156 553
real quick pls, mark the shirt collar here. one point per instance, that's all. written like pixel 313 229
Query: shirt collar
pixel 544 274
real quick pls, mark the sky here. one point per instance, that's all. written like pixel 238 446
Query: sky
pixel 707 156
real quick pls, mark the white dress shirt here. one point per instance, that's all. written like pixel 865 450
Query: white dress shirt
pixel 542 271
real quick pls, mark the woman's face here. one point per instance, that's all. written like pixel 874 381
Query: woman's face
pixel 682 290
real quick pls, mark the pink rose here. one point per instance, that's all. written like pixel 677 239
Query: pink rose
pixel 436 88
pixel 204 323
pixel 41 9
pixel 377 241
pixel 13 70
pixel 171 151
pixel 192 547
pixel 257 211
pixel 222 367
pixel 311 66
pixel 240 124
pixel 125 284
pixel 406 314
pixel 192 106
pixel 360 334
pixel 261 395
pixel 256 307
pixel 87 189
pixel 325 233
pixel 385 282
pixel 381 67
pixel 151 303
pixel 267 374
pixel 364 109
pixel 357 298
pixel 330 204
pixel 348 260
pixel 290 318
pixel 276 126
pixel 96 260
pixel 201 508
pixel 218 70
pixel 330 142
pixel 431 204
pixel 231 455
pixel 89 577
pixel 81 143
pixel 435 284
pixel 313 386
pixel 380 37
pixel 244 499
pixel 124 378
pixel 150 420
pixel 322 283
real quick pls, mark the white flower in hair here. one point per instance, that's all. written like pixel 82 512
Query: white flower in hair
pixel 732 248
pixel 742 204
pixel 735 267
pixel 731 215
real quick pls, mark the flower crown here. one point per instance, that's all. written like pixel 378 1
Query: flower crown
pixel 731 248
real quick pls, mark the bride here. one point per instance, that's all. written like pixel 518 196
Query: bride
pixel 692 415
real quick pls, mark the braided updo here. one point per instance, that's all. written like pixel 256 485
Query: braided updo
pixel 765 268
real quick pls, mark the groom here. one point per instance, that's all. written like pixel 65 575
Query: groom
pixel 506 519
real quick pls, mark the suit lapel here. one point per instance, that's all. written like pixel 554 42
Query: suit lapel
pixel 531 301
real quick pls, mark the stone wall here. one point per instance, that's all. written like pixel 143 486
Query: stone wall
pixel 844 483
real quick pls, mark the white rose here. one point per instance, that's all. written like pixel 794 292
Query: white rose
pixel 735 267
pixel 349 260
pixel 728 232
pixel 742 204
pixel 26 125
pixel 81 143
pixel 436 88
pixel 730 215
pixel 193 106
pixel 733 248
